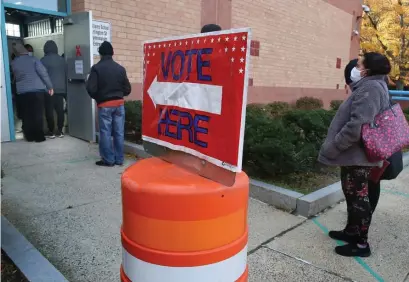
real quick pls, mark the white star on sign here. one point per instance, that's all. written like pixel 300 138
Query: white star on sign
pixel 243 49
pixel 226 49
pixel 243 37
pixel 193 42
pixel 149 54
pixel 147 62
pixel 205 40
pixel 241 70
pixel 232 60
pixel 218 39
pixel 180 43
pixel 234 48
pixel 212 40
pixel 175 43
pixel 150 46
pixel 186 43
pixel 198 41
pixel 227 39
pixel 235 38
pixel 159 45
pixel 170 44
pixel 241 60
pixel 153 54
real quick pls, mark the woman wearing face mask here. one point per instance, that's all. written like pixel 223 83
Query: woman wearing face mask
pixel 343 147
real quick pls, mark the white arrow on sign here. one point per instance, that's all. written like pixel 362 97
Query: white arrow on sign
pixel 194 96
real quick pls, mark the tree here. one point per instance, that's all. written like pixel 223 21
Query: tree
pixel 385 29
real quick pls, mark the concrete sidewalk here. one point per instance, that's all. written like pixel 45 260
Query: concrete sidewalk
pixel 70 210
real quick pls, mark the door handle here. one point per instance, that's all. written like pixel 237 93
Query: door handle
pixel 76 80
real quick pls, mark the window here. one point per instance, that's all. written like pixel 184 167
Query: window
pixel 43 27
pixel 39 28
pixel 58 26
pixel 12 30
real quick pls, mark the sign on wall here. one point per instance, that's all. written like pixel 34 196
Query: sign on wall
pixel 101 31
pixel 195 95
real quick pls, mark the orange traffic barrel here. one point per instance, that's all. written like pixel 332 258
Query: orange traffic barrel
pixel 180 227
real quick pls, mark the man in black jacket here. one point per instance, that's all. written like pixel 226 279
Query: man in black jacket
pixel 108 84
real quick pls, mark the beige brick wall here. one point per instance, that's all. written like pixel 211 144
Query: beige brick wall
pixel 136 21
pixel 300 41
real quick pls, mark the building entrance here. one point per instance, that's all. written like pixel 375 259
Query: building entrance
pixel 71 34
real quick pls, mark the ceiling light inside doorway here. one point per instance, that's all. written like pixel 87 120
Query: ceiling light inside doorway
pixel 18 3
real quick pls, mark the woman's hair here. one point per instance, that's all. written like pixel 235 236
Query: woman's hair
pixel 376 64
pixel 347 72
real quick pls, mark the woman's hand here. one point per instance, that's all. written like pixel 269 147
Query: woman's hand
pixel 329 150
pixel 51 92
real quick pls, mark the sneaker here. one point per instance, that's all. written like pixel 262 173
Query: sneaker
pixel 60 134
pixel 352 250
pixel 103 163
pixel 342 236
pixel 49 135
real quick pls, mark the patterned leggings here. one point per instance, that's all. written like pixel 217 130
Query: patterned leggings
pixel 361 197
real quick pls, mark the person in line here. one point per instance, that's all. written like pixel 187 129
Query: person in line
pixel 210 28
pixel 108 83
pixel 32 81
pixel 343 147
pixel 30 49
pixel 56 68
pixel 16 102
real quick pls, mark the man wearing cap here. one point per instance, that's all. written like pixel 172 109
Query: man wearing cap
pixel 210 28
pixel 108 84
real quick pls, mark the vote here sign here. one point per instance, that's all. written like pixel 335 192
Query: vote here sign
pixel 195 94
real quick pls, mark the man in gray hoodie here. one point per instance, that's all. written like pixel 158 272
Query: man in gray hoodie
pixel 56 68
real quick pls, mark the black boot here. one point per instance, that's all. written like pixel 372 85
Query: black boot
pixel 103 163
pixel 352 250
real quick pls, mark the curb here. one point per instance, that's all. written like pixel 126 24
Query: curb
pixel 136 149
pixel 285 199
pixel 34 266
pixel 273 195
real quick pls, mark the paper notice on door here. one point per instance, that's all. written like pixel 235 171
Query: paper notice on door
pixel 79 67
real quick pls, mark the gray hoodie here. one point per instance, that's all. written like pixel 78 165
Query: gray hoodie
pixel 55 66
pixel 343 145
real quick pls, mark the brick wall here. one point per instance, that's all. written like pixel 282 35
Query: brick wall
pixel 300 48
pixel 300 42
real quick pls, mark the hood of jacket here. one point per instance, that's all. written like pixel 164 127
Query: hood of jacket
pixel 50 48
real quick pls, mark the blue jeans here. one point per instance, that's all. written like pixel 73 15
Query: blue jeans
pixel 111 124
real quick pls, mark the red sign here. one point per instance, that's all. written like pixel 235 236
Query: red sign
pixel 78 51
pixel 195 94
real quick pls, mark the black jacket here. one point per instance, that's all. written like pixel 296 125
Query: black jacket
pixel 108 81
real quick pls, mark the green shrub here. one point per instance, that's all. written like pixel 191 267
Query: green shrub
pixel 269 147
pixel 309 103
pixel 406 111
pixel 277 108
pixel 312 124
pixel 133 120
pixel 280 145
pixel 335 104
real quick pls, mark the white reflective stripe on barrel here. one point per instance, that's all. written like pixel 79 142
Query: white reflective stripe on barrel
pixel 229 270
